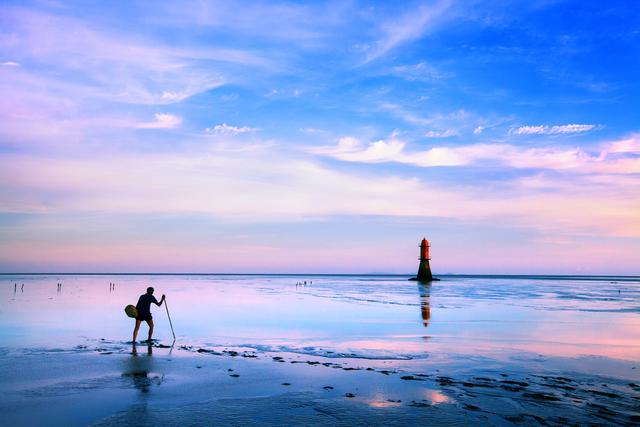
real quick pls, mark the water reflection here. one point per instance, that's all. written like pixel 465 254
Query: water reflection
pixel 496 316
pixel 425 303
pixel 134 349
pixel 138 369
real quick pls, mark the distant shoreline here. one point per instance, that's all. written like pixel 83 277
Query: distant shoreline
pixel 474 276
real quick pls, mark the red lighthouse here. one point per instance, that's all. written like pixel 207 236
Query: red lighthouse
pixel 424 270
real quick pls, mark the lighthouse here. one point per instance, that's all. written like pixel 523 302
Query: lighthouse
pixel 424 270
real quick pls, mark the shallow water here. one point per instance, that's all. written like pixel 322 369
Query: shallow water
pixel 367 316
pixel 340 350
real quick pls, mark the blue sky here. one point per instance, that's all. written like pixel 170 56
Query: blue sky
pixel 320 136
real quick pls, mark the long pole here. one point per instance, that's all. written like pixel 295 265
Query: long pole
pixel 170 324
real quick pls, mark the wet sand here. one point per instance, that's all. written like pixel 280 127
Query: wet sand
pixel 358 372
pixel 106 384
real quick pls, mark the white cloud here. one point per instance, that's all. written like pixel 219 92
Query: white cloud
pixel 628 145
pixel 552 130
pixel 441 134
pixel 478 130
pixel 9 64
pixel 268 185
pixel 162 121
pixel 225 129
pixel 394 150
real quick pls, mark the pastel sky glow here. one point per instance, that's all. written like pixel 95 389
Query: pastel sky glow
pixel 320 137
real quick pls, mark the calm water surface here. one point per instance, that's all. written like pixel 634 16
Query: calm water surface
pixel 373 317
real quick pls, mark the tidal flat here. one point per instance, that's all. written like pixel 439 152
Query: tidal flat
pixel 321 350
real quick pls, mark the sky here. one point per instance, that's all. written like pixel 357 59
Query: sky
pixel 320 137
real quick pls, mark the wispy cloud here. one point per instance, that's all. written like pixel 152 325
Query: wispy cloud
pixel 299 188
pixel 100 62
pixel 411 26
pixel 553 130
pixel 225 129
pixel 9 64
pixel 298 24
pixel 393 150
pixel 421 71
pixel 162 121
pixel 460 117
pixel 441 134
pixel 312 130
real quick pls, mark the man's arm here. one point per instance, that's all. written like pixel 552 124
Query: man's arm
pixel 161 301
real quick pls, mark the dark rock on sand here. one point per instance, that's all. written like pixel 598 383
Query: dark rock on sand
pixel 445 381
pixel 604 393
pixel 410 378
pixel 204 350
pixel 541 396
pixel 469 384
pixel 564 387
pixel 518 383
pixel 511 387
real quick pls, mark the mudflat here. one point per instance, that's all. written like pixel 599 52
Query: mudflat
pixel 338 350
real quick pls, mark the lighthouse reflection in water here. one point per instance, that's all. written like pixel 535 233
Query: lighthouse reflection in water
pixel 425 307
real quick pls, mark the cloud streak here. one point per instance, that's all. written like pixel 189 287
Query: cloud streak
pixel 553 130
pixel 243 186
pixel 409 27
pixel 225 129
pixel 111 65
pixel 394 150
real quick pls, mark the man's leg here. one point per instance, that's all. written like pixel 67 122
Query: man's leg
pixel 135 330
pixel 150 322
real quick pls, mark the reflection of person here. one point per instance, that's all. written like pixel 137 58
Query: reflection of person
pixel 144 311
pixel 134 349
pixel 139 370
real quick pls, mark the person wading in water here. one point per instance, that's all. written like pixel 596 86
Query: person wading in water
pixel 144 312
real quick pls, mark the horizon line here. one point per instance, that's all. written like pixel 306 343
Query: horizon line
pixel 540 276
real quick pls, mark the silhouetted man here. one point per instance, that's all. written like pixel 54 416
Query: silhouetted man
pixel 144 311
